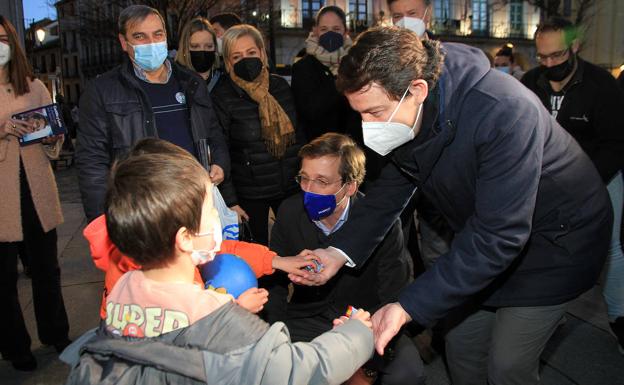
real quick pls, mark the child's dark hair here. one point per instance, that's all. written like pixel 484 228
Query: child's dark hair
pixel 150 197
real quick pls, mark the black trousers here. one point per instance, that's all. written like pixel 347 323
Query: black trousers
pixel 258 211
pixel 52 323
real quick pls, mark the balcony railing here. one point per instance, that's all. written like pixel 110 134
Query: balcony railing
pixel 502 30
pixel 299 19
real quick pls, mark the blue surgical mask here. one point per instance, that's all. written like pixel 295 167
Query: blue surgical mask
pixel 319 206
pixel 505 69
pixel 150 56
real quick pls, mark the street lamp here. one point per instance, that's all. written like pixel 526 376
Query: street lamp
pixel 40 35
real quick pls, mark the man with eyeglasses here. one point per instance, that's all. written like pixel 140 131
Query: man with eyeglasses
pixel 332 169
pixel 583 97
pixel 587 102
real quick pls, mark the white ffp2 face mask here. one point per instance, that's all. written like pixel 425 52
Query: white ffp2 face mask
pixel 414 24
pixel 383 137
pixel 5 53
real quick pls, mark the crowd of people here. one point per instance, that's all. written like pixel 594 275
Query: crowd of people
pixel 515 178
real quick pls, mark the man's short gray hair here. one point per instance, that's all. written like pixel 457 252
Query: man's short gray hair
pixel 134 14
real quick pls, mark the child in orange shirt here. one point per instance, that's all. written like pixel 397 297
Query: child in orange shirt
pixel 109 259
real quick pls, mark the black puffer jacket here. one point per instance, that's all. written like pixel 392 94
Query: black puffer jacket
pixel 256 174
pixel 115 113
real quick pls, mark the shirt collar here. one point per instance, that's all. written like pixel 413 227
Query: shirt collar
pixel 140 72
pixel 341 221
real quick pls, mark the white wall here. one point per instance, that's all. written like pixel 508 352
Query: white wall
pixel 604 39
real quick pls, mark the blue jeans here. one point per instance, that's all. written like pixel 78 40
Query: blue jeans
pixel 613 291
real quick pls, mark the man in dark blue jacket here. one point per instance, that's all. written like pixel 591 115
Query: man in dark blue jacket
pixel 531 216
pixel 146 96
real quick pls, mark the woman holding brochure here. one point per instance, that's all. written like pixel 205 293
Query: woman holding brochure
pixel 30 210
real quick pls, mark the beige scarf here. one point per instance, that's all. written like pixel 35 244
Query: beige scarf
pixel 329 59
pixel 277 129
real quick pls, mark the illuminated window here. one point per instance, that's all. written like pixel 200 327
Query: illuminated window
pixel 359 11
pixel 516 16
pixel 309 8
pixel 441 10
pixel 480 15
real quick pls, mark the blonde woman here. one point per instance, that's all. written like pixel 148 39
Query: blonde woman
pixel 29 211
pixel 257 112
pixel 197 50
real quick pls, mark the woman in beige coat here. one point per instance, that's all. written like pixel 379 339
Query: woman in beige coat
pixel 29 211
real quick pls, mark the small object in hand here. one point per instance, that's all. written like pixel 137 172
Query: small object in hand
pixel 351 311
pixel 317 268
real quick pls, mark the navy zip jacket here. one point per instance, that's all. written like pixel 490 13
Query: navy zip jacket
pixel 531 214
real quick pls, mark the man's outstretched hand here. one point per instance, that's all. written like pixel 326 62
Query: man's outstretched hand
pixel 387 322
pixel 332 261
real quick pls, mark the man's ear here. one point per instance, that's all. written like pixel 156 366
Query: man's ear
pixel 575 46
pixel 123 42
pixel 184 240
pixel 419 89
pixel 352 188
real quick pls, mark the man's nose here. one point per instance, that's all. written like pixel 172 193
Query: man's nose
pixel 549 62
pixel 306 185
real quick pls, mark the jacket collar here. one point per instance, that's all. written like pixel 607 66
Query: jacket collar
pixel 140 72
pixel 418 157
pixel 182 75
pixel 311 231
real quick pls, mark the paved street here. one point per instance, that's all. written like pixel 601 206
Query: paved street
pixel 581 352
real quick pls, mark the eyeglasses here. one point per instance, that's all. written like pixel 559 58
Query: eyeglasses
pixel 300 179
pixel 205 234
pixel 555 56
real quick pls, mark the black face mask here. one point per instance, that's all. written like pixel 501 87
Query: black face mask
pixel 331 41
pixel 560 71
pixel 202 61
pixel 248 68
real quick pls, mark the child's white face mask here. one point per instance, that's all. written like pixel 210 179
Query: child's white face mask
pixel 199 256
